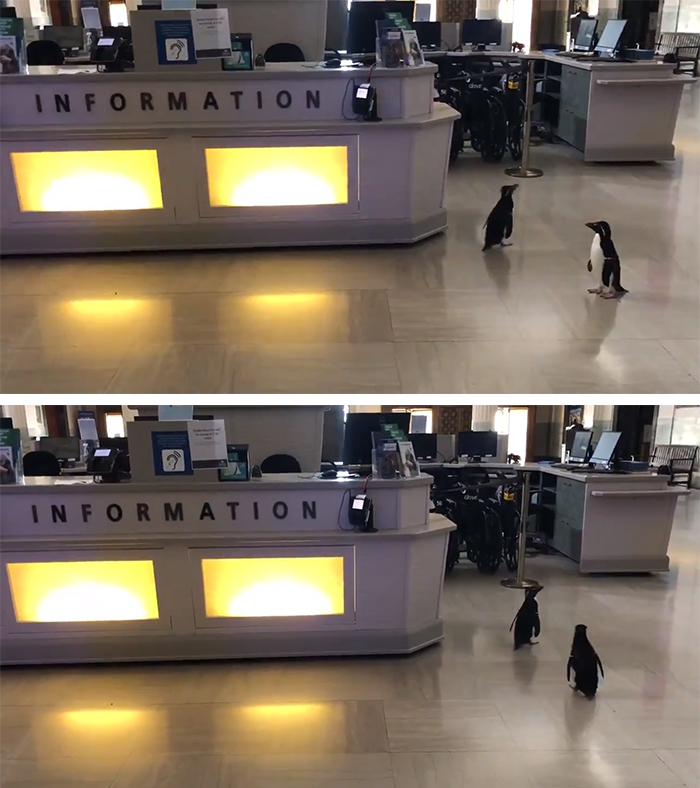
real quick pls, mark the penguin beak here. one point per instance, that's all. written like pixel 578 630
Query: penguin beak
pixel 591 225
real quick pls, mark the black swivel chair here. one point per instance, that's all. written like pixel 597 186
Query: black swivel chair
pixel 280 463
pixel 44 53
pixel 41 463
pixel 284 53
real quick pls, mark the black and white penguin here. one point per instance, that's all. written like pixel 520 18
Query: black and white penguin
pixel 499 225
pixel 585 662
pixel 527 621
pixel 604 263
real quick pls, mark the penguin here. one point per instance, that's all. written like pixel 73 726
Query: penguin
pixel 585 663
pixel 604 262
pixel 526 621
pixel 499 225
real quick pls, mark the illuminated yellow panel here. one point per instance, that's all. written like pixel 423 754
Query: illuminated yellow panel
pixel 83 591
pixel 277 176
pixel 259 587
pixel 97 180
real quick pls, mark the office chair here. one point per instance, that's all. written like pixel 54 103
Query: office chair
pixel 280 463
pixel 44 53
pixel 284 53
pixel 41 463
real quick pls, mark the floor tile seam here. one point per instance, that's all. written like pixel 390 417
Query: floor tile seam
pixel 660 342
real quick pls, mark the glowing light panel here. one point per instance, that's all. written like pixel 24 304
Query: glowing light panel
pixel 263 587
pixel 104 180
pixel 83 591
pixel 313 175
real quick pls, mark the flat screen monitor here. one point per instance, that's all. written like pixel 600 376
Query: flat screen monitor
pixel 424 445
pixel 357 442
pixel 611 36
pixel 121 31
pixel 61 448
pixel 586 35
pixel 605 449
pixel 422 13
pixel 115 443
pixel 580 446
pixel 8 13
pixel 482 31
pixel 65 37
pixel 476 443
pixel 362 29
pixel 429 34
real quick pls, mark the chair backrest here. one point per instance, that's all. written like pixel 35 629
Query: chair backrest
pixel 284 53
pixel 44 53
pixel 41 463
pixel 280 463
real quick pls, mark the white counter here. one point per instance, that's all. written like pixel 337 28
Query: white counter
pixel 219 159
pixel 612 523
pixel 270 567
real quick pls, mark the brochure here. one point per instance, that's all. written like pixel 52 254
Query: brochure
pixel 391 50
pixel 13 49
pixel 409 462
pixel 238 469
pixel 10 454
pixel 414 54
pixel 386 459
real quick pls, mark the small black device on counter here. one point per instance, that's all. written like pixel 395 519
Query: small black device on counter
pixel 360 514
pixel 111 53
pixel 364 102
pixel 108 464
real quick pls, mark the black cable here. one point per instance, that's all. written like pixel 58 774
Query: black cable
pixel 340 511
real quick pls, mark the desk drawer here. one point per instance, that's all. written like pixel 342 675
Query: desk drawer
pixel 571 128
pixel 575 89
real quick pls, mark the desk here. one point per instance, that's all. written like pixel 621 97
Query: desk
pixel 264 568
pixel 608 110
pixel 613 523
pixel 271 157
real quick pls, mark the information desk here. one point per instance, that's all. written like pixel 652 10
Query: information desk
pixel 275 156
pixel 613 523
pixel 266 568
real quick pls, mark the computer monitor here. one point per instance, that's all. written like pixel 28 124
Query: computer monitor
pixel 610 38
pixel 482 31
pixel 424 445
pixel 362 28
pixel 61 448
pixel 8 13
pixel 477 443
pixel 605 449
pixel 121 31
pixel 586 35
pixel 580 446
pixel 65 37
pixel 357 442
pixel 422 12
pixel 429 34
pixel 115 443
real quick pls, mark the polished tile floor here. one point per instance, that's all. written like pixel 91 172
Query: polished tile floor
pixel 468 713
pixel 439 317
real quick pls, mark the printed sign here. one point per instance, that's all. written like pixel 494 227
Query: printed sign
pixel 171 453
pixel 12 46
pixel 210 29
pixel 207 441
pixel 175 42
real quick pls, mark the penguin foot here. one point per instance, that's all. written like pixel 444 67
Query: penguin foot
pixel 533 642
pixel 596 290
pixel 608 295
pixel 503 243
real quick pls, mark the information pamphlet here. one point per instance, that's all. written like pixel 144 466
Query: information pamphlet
pixel 414 54
pixel 13 49
pixel 391 51
pixel 409 461
pixel 10 454
pixel 238 469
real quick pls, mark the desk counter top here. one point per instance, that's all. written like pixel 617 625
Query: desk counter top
pixel 272 71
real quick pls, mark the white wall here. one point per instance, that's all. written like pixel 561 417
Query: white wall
pixel 300 22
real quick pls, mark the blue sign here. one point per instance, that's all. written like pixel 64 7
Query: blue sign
pixel 171 453
pixel 175 42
